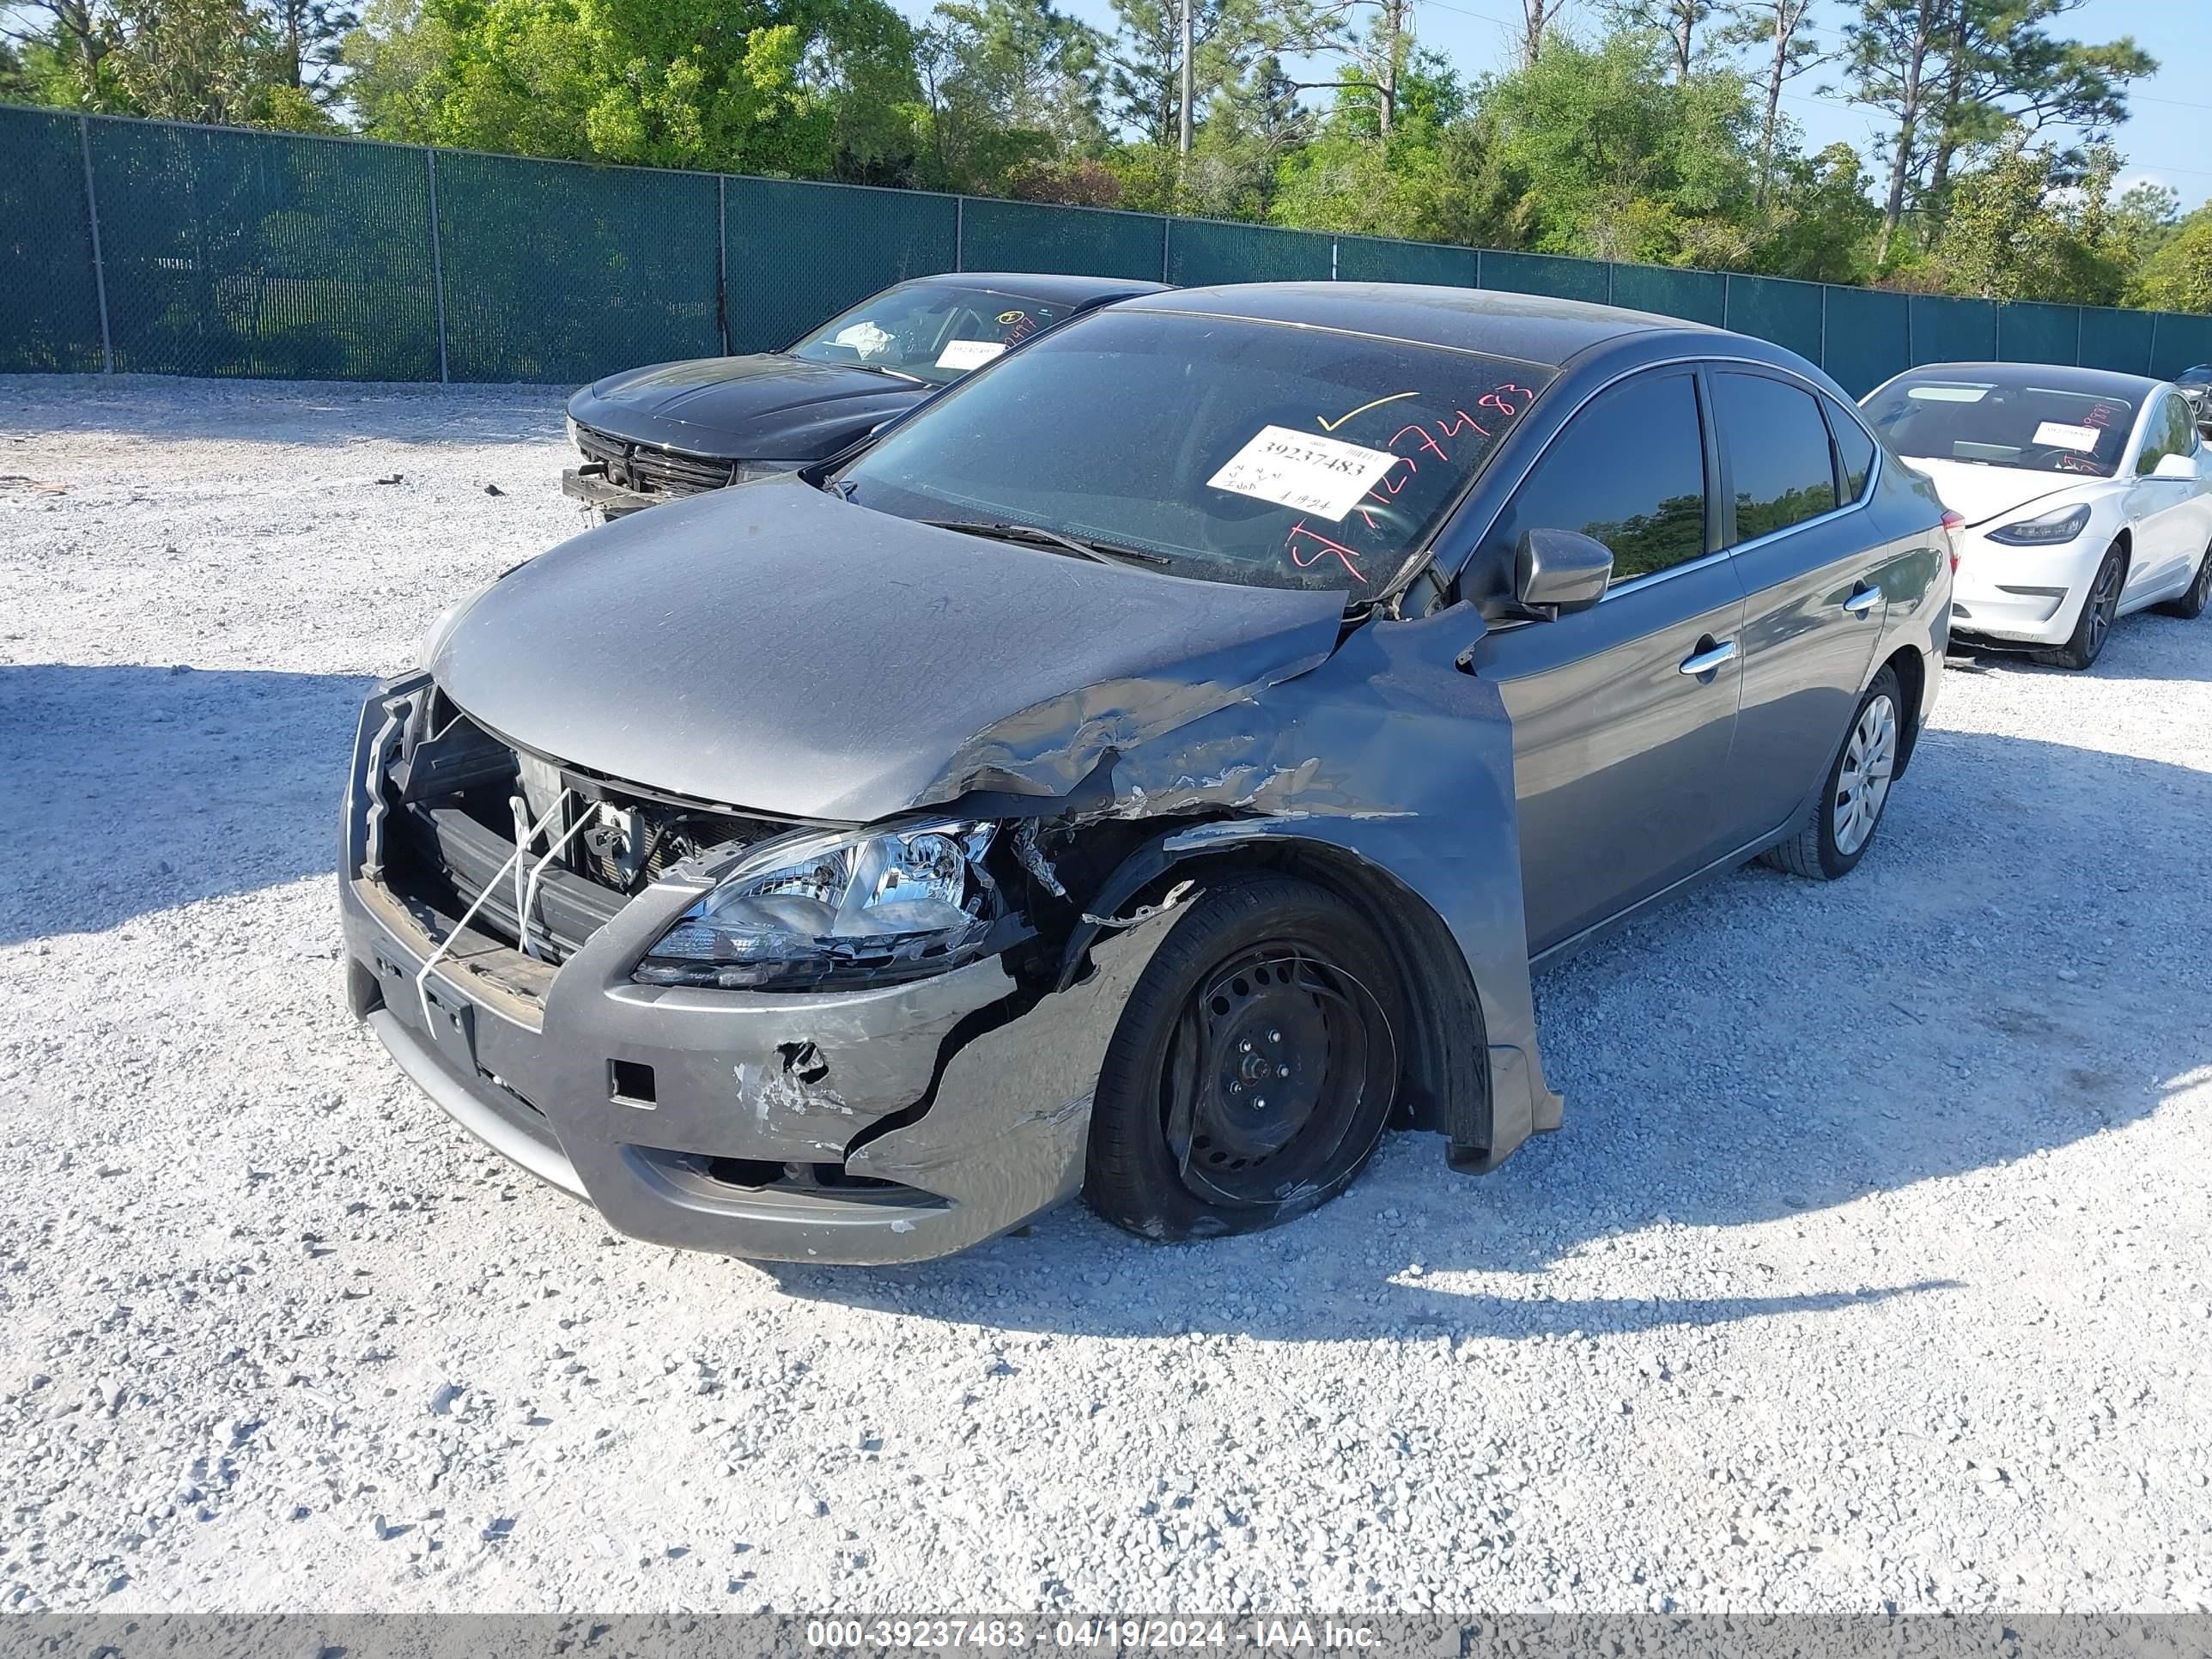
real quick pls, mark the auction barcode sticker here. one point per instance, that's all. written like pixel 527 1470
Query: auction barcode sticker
pixel 1302 470
pixel 968 354
pixel 2059 434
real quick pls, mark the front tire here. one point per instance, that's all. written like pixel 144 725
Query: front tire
pixel 2196 596
pixel 1857 789
pixel 1254 1067
pixel 2099 612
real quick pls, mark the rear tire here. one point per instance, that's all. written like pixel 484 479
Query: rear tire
pixel 1268 986
pixel 1857 789
pixel 2099 612
pixel 2192 604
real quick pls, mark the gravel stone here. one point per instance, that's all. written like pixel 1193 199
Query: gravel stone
pixel 1869 1270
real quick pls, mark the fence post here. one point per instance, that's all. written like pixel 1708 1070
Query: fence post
pixel 960 233
pixel 1823 359
pixel 2077 336
pixel 99 269
pixel 437 261
pixel 1332 258
pixel 722 259
pixel 2150 358
pixel 1165 220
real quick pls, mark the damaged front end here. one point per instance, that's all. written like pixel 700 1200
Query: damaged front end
pixel 771 1039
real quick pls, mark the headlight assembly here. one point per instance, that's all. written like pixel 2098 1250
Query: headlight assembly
pixel 2064 525
pixel 840 909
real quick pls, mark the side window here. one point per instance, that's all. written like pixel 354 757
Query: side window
pixel 2168 433
pixel 1776 446
pixel 1854 450
pixel 1628 470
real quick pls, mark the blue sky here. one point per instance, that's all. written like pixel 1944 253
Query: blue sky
pixel 2163 140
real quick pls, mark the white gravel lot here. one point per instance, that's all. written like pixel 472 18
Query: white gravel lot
pixel 1869 1270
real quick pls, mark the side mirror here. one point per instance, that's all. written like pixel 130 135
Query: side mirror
pixel 2175 466
pixel 1557 571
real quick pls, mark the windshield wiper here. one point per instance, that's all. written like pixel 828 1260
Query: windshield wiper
pixel 1099 552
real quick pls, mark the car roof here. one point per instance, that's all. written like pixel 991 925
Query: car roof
pixel 1051 288
pixel 1534 328
pixel 2059 377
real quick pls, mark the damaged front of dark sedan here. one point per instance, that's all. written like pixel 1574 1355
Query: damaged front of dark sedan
pixel 1093 786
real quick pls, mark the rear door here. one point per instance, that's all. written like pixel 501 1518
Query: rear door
pixel 1812 582
pixel 1620 757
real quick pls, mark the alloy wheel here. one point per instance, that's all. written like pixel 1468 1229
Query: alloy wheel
pixel 2103 607
pixel 1862 782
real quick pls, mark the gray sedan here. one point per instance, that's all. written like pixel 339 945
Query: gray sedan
pixel 1149 769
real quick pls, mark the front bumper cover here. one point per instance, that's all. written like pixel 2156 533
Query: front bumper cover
pixel 2022 595
pixel 988 1089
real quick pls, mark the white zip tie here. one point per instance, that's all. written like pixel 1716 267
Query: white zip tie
pixel 530 893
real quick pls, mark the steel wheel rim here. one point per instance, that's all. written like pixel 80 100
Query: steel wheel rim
pixel 1268 1073
pixel 1863 782
pixel 2202 584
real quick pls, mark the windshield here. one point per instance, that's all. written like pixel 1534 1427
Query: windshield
pixel 934 332
pixel 2004 420
pixel 1233 451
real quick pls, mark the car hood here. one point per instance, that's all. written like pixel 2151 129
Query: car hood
pixel 1979 494
pixel 764 407
pixel 775 649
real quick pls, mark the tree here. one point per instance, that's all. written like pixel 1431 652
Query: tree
pixel 1678 20
pixel 2004 71
pixel 1890 49
pixel 310 35
pixel 1377 47
pixel 793 86
pixel 66 52
pixel 2031 225
pixel 1144 59
pixel 2179 276
pixel 1778 29
pixel 1595 151
pixel 1819 225
pixel 1007 82
pixel 1537 17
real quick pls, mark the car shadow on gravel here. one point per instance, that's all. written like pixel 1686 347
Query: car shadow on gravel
pixel 2017 967
pixel 133 789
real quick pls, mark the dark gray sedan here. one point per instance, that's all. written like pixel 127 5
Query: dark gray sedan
pixel 1150 770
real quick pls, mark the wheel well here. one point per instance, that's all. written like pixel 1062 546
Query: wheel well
pixel 1443 1062
pixel 1911 672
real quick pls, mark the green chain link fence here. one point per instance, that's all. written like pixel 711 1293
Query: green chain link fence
pixel 145 246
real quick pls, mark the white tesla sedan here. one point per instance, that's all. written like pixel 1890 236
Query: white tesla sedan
pixel 2086 494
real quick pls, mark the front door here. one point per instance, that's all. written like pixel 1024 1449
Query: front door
pixel 1623 714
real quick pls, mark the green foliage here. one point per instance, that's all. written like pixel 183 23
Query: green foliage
pixel 2179 276
pixel 788 86
pixel 2033 225
pixel 1597 151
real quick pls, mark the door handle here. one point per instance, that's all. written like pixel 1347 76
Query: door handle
pixel 1706 661
pixel 1862 599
